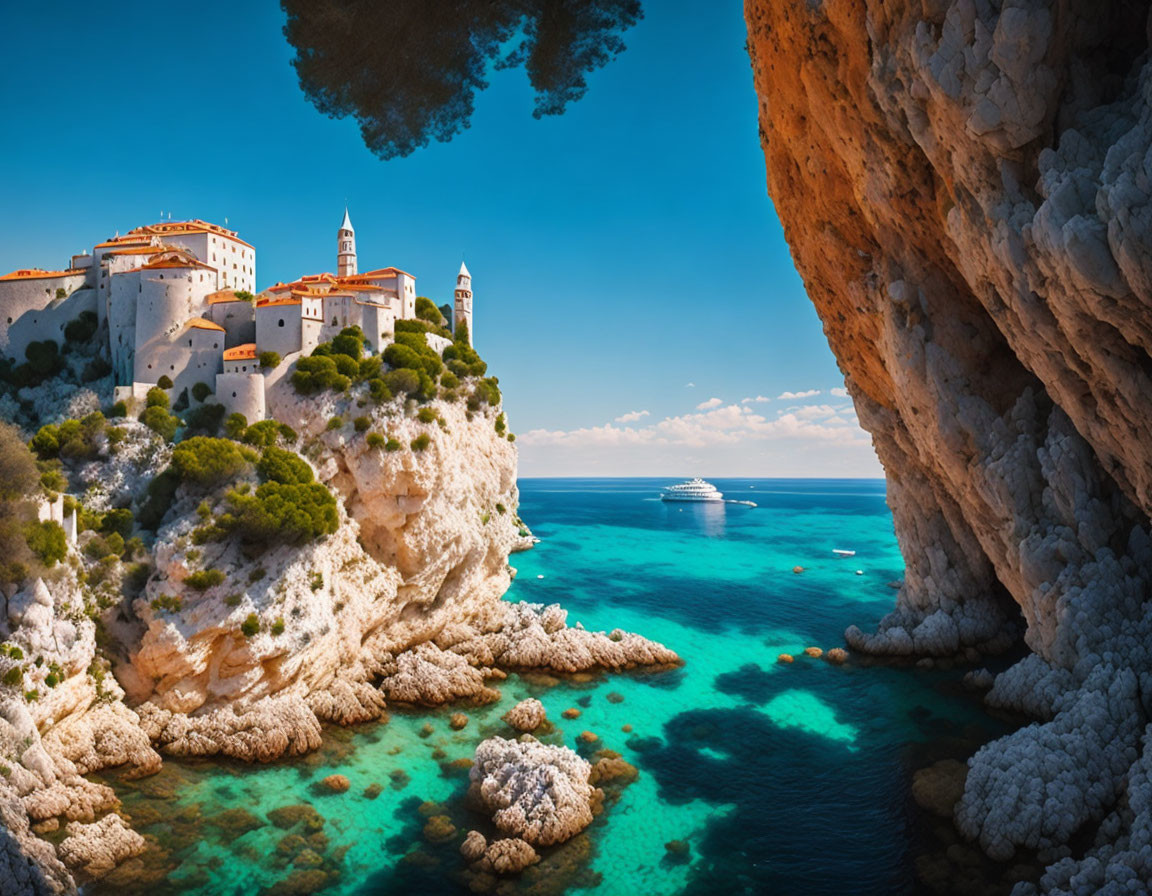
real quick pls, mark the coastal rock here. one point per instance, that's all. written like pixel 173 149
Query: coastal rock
pixel 92 850
pixel 268 729
pixel 106 736
pixel 336 784
pixel 964 190
pixel 473 846
pixel 536 792
pixel 429 676
pixel 527 715
pixel 510 856
pixel 28 865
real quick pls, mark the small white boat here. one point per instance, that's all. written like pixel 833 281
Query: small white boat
pixel 841 553
pixel 695 491
pixel 743 503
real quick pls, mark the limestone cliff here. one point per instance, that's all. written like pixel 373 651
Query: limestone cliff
pixel 965 186
pixel 222 647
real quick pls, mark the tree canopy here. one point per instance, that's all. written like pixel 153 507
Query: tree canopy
pixel 408 70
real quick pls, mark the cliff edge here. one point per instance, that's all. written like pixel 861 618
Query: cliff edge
pixel 966 190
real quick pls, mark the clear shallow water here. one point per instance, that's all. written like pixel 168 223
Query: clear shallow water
pixel 776 776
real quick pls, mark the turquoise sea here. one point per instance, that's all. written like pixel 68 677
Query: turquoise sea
pixel 774 777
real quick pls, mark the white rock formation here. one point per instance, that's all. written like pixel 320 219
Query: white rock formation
pixel 536 792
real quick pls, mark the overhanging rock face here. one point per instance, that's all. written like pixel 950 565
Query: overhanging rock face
pixel 965 187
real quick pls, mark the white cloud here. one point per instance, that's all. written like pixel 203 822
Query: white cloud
pixel 789 396
pixel 689 385
pixel 709 404
pixel 728 440
pixel 839 392
pixel 757 400
pixel 631 417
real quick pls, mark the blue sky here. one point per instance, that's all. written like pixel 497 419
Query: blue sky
pixel 626 258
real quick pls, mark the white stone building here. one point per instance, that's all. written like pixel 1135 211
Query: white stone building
pixel 175 300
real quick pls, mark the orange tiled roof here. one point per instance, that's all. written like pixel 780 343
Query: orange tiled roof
pixel 41 274
pixel 199 323
pixel 379 272
pixel 222 295
pixel 268 303
pixel 245 352
pixel 149 249
pixel 195 225
pixel 124 241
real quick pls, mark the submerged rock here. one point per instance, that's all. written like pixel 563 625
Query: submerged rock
pixel 93 850
pixel 336 784
pixel 527 715
pixel 473 846
pixel 510 856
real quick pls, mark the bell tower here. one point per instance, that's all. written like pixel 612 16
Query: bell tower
pixel 463 306
pixel 346 248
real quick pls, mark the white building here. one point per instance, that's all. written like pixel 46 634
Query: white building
pixel 175 300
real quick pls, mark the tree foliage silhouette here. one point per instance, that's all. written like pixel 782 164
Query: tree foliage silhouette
pixel 408 70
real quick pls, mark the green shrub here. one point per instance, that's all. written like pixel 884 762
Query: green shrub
pixel 511 437
pixel 269 360
pixel 379 390
pixel 281 513
pixel 53 481
pixel 206 462
pixel 278 626
pixel 157 397
pixel 233 599
pixel 410 351
pixel 392 445
pixel 120 409
pixel 203 579
pixel 44 358
pixel 72 439
pixel 501 426
pixel 284 467
pixel 427 415
pixel 235 426
pixel 375 440
pixel 161 496
pixel 335 423
pixel 168 603
pixel 14 677
pixel 350 342
pixel 449 380
pixel 317 581
pixel 421 442
pixel 117 521
pixel 160 421
pixel 426 310
pixel 268 432
pixel 95 369
pixel 165 382
pixel 243 295
pixel 82 328
pixel 200 391
pixel 250 626
pixel 370 367
pixel 205 419
pixel 257 574
pixel 361 424
pixel 317 373
pixel 136 578
pixel 46 540
pixel 501 509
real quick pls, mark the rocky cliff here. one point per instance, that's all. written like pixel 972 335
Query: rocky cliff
pixel 965 186
pixel 224 648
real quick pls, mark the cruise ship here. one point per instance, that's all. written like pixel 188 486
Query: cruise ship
pixel 695 490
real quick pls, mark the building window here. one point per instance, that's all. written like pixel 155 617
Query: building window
pixel 189 341
pixel 233 394
pixel 281 322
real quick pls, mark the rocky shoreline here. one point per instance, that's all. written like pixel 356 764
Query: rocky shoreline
pixel 400 605
pixel 964 189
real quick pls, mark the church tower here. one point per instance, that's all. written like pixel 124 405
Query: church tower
pixel 464 300
pixel 346 248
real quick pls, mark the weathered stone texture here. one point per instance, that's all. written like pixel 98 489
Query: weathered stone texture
pixel 966 186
